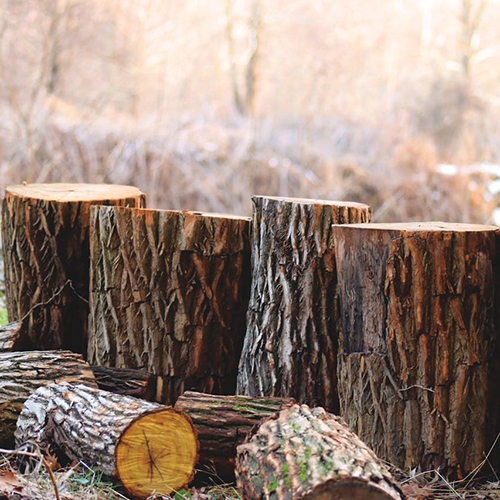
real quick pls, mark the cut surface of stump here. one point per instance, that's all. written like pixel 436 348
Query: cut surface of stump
pixel 22 373
pixel 223 423
pixel 417 356
pixel 291 336
pixel 45 239
pixel 169 293
pixel 151 448
pixel 309 453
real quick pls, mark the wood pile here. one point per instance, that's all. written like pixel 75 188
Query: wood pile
pixel 258 331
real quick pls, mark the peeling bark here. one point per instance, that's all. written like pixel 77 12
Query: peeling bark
pixel 151 448
pixel 45 239
pixel 22 373
pixel 309 453
pixel 13 337
pixel 169 292
pixel 291 339
pixel 418 342
pixel 222 423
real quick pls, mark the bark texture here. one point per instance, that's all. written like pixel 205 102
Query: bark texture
pixel 418 343
pixel 169 292
pixel 309 453
pixel 223 423
pixel 13 337
pixel 22 373
pixel 291 338
pixel 127 382
pixel 45 239
pixel 149 447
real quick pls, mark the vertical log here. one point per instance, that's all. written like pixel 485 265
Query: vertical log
pixel 169 292
pixel 13 337
pixel 419 336
pixel 45 237
pixel 291 338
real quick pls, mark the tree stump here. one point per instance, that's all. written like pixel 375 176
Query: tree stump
pixel 291 339
pixel 309 453
pixel 151 448
pixel 169 292
pixel 127 382
pixel 22 373
pixel 222 423
pixel 45 237
pixel 419 336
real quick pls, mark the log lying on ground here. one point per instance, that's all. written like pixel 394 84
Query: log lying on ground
pixel 151 448
pixel 169 293
pixel 45 239
pixel 14 337
pixel 22 373
pixel 128 382
pixel 222 423
pixel 291 339
pixel 419 337
pixel 309 453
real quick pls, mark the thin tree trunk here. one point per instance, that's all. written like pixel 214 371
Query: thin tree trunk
pixel 417 355
pixel 223 423
pixel 291 340
pixel 304 453
pixel 151 448
pixel 169 292
pixel 45 238
pixel 22 373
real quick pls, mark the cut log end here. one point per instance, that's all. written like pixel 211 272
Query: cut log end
pixel 423 227
pixel 157 453
pixel 64 192
pixel 352 489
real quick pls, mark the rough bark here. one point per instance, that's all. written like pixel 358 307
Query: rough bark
pixel 22 373
pixel 151 448
pixel 223 423
pixel 45 238
pixel 291 339
pixel 309 453
pixel 127 382
pixel 13 337
pixel 419 336
pixel 169 292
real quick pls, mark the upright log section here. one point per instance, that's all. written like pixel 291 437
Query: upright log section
pixel 223 423
pixel 151 448
pixel 169 292
pixel 304 453
pixel 14 337
pixel 22 373
pixel 45 237
pixel 291 339
pixel 419 336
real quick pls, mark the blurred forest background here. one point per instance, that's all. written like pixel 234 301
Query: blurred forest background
pixel 201 104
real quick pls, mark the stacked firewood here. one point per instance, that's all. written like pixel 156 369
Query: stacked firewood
pixel 257 330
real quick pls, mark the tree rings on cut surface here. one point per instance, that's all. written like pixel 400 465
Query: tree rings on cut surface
pixel 157 453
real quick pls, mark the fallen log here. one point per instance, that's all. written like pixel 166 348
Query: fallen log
pixel 22 373
pixel 419 339
pixel 169 294
pixel 13 337
pixel 150 448
pixel 45 240
pixel 309 453
pixel 223 423
pixel 128 382
pixel 291 338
